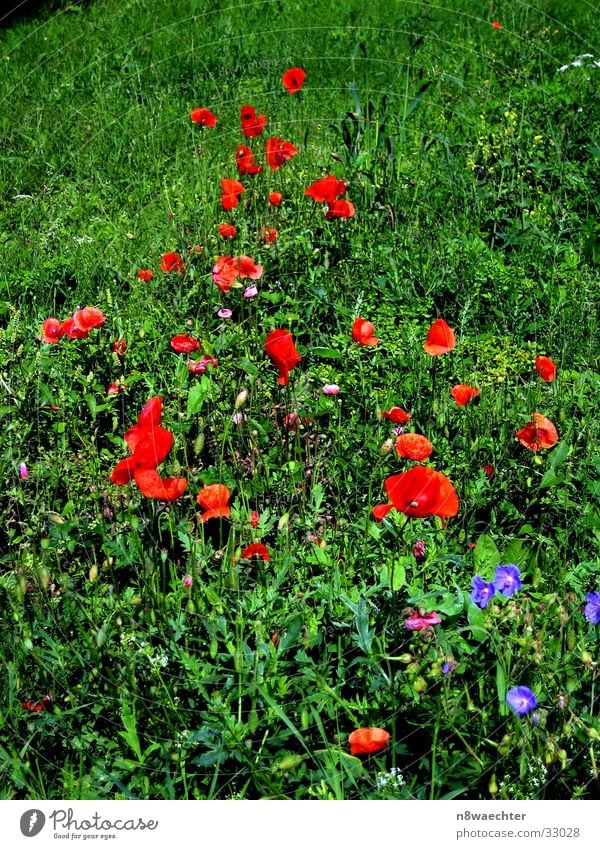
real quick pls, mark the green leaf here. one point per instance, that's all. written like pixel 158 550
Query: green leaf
pixel 365 634
pixel 550 479
pixel 198 395
pixel 486 554
pixel 130 734
pixel 394 574
pixel 515 552
pixel 501 688
pixel 292 630
pixel 327 353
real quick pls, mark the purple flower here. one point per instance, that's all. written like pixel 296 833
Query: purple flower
pixel 331 389
pixel 507 579
pixel 448 666
pixel 224 313
pixel 592 609
pixel 481 591
pixel 23 471
pixel 251 291
pixel 521 700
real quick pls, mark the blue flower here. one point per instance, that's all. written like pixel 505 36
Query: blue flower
pixel 507 579
pixel 521 700
pixel 481 591
pixel 592 609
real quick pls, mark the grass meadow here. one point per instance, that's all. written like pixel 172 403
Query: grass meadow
pixel 332 468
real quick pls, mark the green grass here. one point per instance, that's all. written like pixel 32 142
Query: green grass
pixel 472 162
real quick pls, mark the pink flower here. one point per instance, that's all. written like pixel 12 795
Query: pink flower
pixel 199 366
pixel 331 389
pixel 250 291
pixel 419 548
pixel 415 622
pixel 187 581
pixel 238 418
pixel 23 471
pixel 225 313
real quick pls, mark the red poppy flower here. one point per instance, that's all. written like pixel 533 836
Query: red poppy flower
pixel 36 707
pixel 279 346
pixel 32 707
pixel 247 268
pixel 326 190
pixel 203 116
pixel 149 443
pixel 149 418
pixel 228 231
pixel 244 159
pixel 462 393
pixel 213 500
pixel 489 470
pixel 421 492
pixel 440 338
pixel 366 741
pixel 413 446
pixel 87 319
pixel 171 261
pixel 269 234
pixel 278 151
pixel 52 330
pixel 151 414
pixel 380 511
pixel 540 433
pixel 231 190
pixel 293 79
pixel 340 209
pixel 145 274
pixel 275 198
pixel 184 344
pixel 151 485
pixel 254 518
pixel 546 368
pixel 68 327
pixel 151 447
pixel 396 415
pixel 119 347
pixel 113 388
pixel 224 273
pixel 496 25
pixel 123 471
pixel 362 332
pixel 257 549
pixel 252 124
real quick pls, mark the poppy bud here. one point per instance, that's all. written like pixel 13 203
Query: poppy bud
pixel 419 684
pixel 241 399
pixel 386 447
